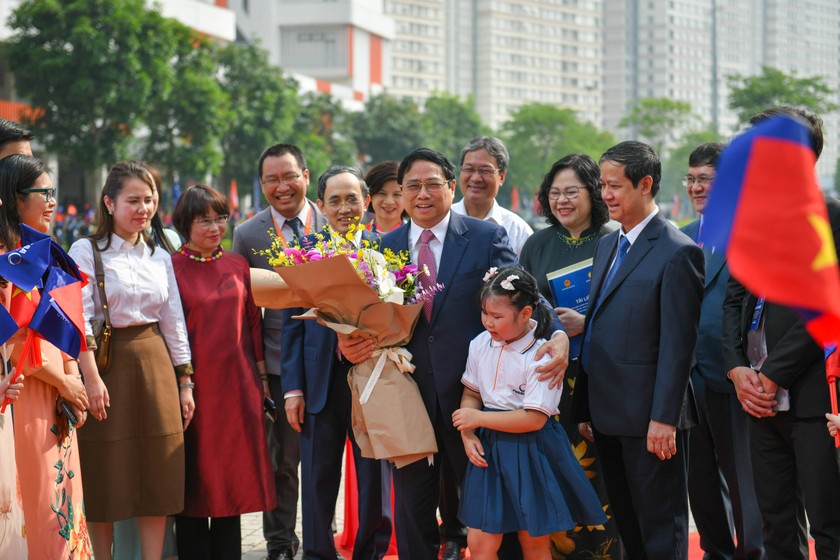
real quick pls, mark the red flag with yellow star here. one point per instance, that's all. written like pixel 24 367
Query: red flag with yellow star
pixel 768 214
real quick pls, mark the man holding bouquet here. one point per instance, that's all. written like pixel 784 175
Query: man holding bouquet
pixel 458 251
pixel 317 400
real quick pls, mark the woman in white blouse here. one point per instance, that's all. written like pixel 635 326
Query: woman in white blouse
pixel 133 457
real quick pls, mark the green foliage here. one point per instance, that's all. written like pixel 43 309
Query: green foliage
pixel 451 123
pixel 321 130
pixel 656 118
pixel 186 118
pixel 538 134
pixel 89 67
pixel 263 105
pixel 750 95
pixel 388 128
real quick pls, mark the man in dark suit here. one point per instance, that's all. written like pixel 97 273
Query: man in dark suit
pixel 778 373
pixel 318 403
pixel 284 178
pixel 720 482
pixel 461 249
pixel 639 338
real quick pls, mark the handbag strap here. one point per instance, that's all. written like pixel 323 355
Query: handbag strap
pixel 100 281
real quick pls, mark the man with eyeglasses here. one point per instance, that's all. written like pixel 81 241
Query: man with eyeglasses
pixel 458 251
pixel 318 402
pixel 720 481
pixel 284 177
pixel 484 163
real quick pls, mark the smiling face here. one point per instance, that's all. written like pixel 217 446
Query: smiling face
pixel 481 181
pixel 388 205
pixel 343 202
pixel 426 208
pixel 502 320
pixel 575 213
pixel 700 186
pixel 207 231
pixel 627 204
pixel 132 208
pixel 34 210
pixel 284 184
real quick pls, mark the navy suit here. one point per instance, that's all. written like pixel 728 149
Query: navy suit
pixel 439 348
pixel 720 481
pixel 639 339
pixel 311 364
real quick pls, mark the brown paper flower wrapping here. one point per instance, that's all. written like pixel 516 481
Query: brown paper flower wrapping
pixel 393 424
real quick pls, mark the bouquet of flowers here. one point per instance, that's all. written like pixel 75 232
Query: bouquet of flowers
pixel 355 289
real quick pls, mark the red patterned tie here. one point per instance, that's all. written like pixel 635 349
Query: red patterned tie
pixel 425 257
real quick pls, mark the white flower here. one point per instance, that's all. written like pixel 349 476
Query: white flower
pixel 507 283
pixel 490 273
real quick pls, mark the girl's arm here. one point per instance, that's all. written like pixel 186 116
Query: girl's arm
pixel 511 421
pixel 471 401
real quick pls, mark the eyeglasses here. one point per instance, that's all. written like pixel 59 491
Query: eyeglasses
pixel 569 192
pixel 701 181
pixel 274 182
pixel 433 186
pixel 351 202
pixel 49 194
pixel 484 170
pixel 207 223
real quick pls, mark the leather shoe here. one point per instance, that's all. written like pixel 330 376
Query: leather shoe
pixel 451 550
pixel 280 555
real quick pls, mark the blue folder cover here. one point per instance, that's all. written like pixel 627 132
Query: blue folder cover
pixel 570 288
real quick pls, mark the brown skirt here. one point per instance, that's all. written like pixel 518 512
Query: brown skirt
pixel 133 462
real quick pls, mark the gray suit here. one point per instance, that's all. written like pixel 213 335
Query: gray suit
pixel 283 441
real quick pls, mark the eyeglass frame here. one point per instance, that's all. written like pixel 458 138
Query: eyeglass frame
pixel 49 193
pixel 219 221
pixel 275 182
pixel 563 193
pixel 351 203
pixel 483 171
pixel 702 180
pixel 416 188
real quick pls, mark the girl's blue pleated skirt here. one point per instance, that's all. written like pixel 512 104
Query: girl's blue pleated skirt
pixel 533 482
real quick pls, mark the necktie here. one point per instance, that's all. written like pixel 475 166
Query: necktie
pixel 623 247
pixel 426 258
pixel 297 226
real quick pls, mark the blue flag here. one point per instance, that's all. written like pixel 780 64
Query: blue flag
pixel 25 267
pixel 51 322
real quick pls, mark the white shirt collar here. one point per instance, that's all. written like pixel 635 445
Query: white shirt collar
pixel 494 215
pixel 438 229
pixel 521 345
pixel 280 219
pixel 634 233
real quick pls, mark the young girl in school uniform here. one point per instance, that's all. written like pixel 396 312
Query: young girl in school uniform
pixel 523 476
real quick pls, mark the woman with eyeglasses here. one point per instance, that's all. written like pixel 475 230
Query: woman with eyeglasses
pixel 386 197
pixel 228 469
pixel 570 200
pixel 46 446
pixel 133 455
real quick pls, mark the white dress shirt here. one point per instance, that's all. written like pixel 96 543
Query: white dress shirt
pixel 436 245
pixel 634 233
pixel 141 289
pixel 517 229
pixel 283 223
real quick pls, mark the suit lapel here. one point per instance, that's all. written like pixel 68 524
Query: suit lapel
pixel 714 264
pixel 602 262
pixel 454 246
pixel 644 243
pixel 266 227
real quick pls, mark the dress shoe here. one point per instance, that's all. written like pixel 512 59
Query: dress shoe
pixel 280 555
pixel 451 550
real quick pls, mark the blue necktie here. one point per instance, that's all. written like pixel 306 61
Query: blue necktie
pixel 623 247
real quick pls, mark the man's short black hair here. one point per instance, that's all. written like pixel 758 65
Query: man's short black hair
pixel 338 170
pixel 706 154
pixel 639 160
pixel 278 150
pixel 425 154
pixel 12 132
pixel 812 121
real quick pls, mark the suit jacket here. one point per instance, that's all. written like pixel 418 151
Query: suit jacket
pixel 252 235
pixel 309 352
pixel 439 348
pixel 709 353
pixel 794 360
pixel 644 331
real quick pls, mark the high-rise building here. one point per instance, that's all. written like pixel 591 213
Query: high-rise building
pixel 685 49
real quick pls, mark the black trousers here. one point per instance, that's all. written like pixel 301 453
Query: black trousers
pixel 214 538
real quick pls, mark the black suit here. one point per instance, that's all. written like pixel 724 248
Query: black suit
pixel 639 338
pixel 720 481
pixel 794 460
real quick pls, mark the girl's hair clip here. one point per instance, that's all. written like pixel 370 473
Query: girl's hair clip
pixel 490 273
pixel 507 283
